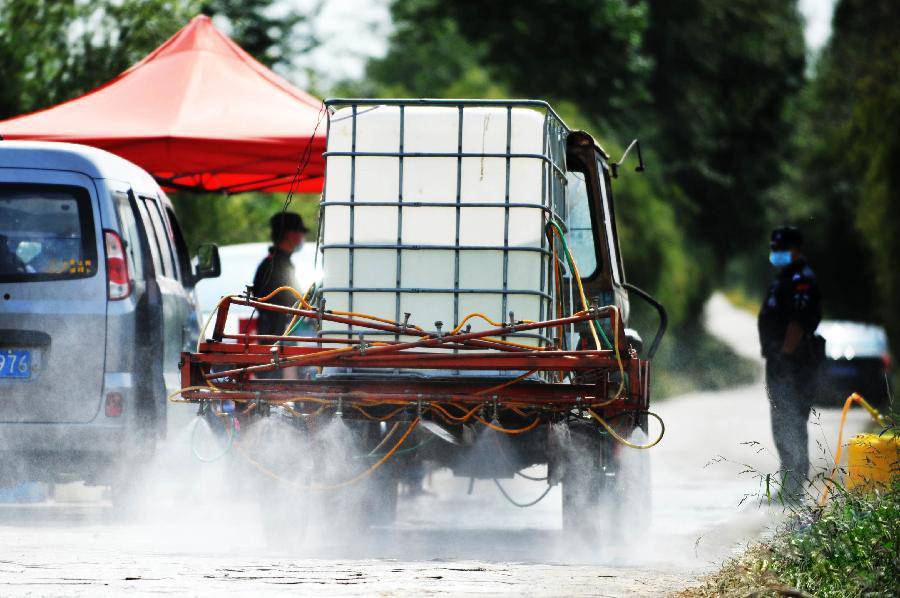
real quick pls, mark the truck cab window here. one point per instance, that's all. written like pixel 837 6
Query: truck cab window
pixel 609 226
pixel 581 230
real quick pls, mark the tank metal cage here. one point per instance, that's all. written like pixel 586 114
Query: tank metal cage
pixel 552 205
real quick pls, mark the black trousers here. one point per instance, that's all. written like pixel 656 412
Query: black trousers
pixel 790 387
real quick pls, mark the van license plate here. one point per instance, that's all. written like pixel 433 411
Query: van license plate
pixel 15 363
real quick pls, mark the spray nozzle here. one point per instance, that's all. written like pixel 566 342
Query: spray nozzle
pixel 263 407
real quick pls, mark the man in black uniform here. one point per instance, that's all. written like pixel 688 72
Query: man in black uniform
pixel 276 270
pixel 787 322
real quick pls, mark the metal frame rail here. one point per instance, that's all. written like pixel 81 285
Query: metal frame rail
pixel 229 362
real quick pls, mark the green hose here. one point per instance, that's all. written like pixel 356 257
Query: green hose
pixel 571 261
pixel 225 451
pixel 404 450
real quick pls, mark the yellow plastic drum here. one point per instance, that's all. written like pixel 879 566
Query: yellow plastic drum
pixel 872 460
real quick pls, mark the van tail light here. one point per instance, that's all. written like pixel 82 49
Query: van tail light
pixel 115 404
pixel 116 267
pixel 886 360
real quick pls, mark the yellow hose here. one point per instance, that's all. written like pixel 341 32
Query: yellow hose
pixel 876 415
pixel 625 441
pixel 585 306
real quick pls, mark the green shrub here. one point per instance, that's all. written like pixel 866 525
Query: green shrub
pixel 849 548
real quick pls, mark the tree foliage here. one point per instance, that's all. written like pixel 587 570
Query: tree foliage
pixel 706 84
pixel 54 50
pixel 851 166
pixel 724 74
pixel 269 36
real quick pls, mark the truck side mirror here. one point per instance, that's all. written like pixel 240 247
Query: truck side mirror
pixel 208 263
pixel 614 166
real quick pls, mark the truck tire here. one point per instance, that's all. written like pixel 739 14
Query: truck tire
pixel 284 514
pixel 606 488
pixel 588 484
pixel 633 488
pixel 380 498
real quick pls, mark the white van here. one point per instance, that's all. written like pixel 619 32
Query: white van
pixel 95 307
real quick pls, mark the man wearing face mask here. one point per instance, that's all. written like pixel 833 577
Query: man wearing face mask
pixel 787 322
pixel 276 270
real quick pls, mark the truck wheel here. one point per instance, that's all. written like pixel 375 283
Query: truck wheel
pixel 588 483
pixel 633 490
pixel 284 514
pixel 380 499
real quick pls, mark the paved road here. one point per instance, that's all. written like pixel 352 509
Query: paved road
pixel 196 535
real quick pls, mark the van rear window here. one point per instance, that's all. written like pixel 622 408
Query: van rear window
pixel 46 233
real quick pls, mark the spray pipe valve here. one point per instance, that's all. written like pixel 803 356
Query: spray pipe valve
pixel 468 328
pixel 362 344
pixel 320 313
pixel 580 409
pixel 203 408
pixel 512 319
pixel 420 406
pixel 438 325
pixel 276 356
pixel 405 325
pixel 263 407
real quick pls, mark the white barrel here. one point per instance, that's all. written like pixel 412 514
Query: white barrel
pixel 445 219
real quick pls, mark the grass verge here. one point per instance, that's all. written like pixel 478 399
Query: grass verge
pixel 849 548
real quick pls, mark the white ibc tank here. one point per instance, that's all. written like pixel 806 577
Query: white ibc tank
pixel 437 236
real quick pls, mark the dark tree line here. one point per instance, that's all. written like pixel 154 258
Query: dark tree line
pixel 739 134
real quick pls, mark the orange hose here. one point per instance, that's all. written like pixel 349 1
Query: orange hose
pixel 455 418
pixel 530 426
pixel 504 384
pixel 378 419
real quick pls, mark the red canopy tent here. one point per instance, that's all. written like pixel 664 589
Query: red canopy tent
pixel 198 113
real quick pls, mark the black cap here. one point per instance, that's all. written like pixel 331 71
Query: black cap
pixel 283 222
pixel 786 237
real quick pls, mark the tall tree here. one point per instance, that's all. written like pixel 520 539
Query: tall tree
pixel 852 169
pixel 584 52
pixel 708 80
pixel 725 72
